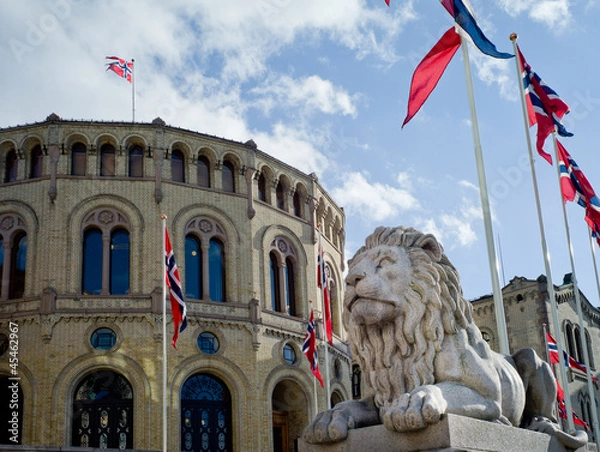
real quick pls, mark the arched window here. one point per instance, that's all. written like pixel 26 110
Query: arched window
pixel 282 267
pixel 262 188
pixel 205 264
pixel 92 261
pixel 228 177
pixel 18 263
pixel 193 268
pixel 119 262
pixel 36 168
pixel 203 172
pixel 177 166
pixel 7 398
pixel 578 345
pixel 13 256
pixel 103 412
pixel 290 289
pixel 570 340
pixel 280 195
pixel 12 166
pixel 136 161
pixel 589 348
pixel 275 282
pixel 107 160
pixel 205 414
pixel 297 205
pixel 216 270
pixel 106 253
pixel 78 159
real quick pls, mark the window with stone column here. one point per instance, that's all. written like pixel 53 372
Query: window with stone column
pixel 205 260
pixel 13 256
pixel 106 253
pixel 283 276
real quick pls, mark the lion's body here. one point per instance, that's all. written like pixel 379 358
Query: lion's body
pixel 420 352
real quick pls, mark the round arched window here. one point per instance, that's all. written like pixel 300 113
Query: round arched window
pixel 289 354
pixel 103 339
pixel 208 343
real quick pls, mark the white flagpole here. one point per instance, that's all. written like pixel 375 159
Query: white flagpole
pixel 133 93
pixel 586 357
pixel 325 341
pixel 485 206
pixel 593 250
pixel 164 334
pixel 314 379
pixel 545 253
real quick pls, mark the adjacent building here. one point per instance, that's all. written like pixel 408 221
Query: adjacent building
pixel 81 289
pixel 527 311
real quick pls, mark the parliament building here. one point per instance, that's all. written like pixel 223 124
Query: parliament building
pixel 81 290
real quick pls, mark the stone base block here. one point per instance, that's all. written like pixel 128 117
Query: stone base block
pixel 452 434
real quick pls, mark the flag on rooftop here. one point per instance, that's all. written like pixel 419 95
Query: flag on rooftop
pixel 121 67
pixel 466 21
pixel 429 71
pixel 178 307
pixel 545 108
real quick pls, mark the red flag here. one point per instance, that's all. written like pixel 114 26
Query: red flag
pixel 562 410
pixel 175 294
pixel 387 2
pixel 430 70
pixel 309 348
pixel 322 284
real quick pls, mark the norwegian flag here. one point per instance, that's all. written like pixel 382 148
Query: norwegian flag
pixel 544 107
pixel 562 410
pixel 322 284
pixel 309 348
pixel 175 293
pixel 121 67
pixel 568 359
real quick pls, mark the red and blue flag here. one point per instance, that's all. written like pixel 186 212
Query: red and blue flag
pixel 178 307
pixel 545 108
pixel 466 21
pixel 309 348
pixel 562 410
pixel 568 359
pixel 121 67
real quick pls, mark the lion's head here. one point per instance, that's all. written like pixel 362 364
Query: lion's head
pixel 402 297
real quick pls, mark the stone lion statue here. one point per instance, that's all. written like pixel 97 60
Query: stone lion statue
pixel 420 353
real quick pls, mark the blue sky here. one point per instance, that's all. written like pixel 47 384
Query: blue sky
pixel 323 86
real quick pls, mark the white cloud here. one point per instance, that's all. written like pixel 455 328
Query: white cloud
pixel 497 72
pixel 308 94
pixel 372 201
pixel 555 14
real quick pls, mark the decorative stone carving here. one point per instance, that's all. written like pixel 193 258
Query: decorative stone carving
pixel 420 352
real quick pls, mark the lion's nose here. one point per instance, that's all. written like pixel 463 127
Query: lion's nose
pixel 354 277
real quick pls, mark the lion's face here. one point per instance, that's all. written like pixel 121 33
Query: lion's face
pixel 375 285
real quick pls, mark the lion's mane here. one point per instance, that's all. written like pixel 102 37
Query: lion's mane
pixel 398 356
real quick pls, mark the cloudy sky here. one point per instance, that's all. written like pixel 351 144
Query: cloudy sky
pixel 323 86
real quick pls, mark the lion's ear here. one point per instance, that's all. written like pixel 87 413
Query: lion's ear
pixel 431 246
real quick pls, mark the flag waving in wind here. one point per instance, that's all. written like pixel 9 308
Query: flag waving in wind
pixel 120 67
pixel 569 361
pixel 466 21
pixel 544 107
pixel 175 294
pixel 309 348
pixel 562 410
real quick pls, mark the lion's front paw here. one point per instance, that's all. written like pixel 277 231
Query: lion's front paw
pixel 328 427
pixel 415 410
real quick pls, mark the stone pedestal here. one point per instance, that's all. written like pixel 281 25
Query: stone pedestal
pixel 452 434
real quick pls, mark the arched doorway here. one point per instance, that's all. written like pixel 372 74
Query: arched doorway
pixel 205 415
pixel 290 415
pixel 103 412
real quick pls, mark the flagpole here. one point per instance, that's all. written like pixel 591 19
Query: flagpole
pixel 164 334
pixel 546 254
pixel 485 207
pixel 583 338
pixel 323 322
pixel 593 250
pixel 133 93
pixel 315 395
